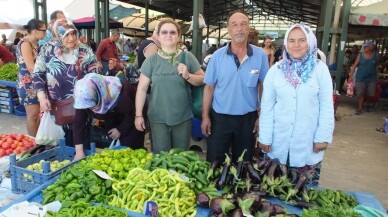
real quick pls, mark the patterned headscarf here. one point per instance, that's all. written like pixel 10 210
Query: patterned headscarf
pixel 60 29
pixel 298 71
pixel 96 92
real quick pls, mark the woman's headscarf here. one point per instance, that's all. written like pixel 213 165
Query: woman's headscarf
pixel 60 29
pixel 96 92
pixel 298 71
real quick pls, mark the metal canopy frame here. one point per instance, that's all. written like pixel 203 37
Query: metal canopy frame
pixel 269 14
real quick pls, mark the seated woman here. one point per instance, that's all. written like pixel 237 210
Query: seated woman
pixel 110 99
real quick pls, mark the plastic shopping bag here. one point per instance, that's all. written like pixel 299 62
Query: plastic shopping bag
pixel 114 143
pixel 48 132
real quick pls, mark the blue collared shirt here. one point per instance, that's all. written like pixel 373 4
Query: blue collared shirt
pixel 236 84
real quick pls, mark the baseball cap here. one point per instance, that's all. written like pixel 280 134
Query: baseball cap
pixel 368 43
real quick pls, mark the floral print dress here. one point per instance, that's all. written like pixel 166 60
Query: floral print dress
pixel 57 71
pixel 24 85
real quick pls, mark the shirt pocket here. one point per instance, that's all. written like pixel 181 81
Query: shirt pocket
pixel 252 79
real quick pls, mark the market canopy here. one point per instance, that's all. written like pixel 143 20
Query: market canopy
pixel 89 23
pixel 5 25
pixel 372 15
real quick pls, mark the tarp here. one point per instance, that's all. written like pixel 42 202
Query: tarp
pixel 371 15
pixel 120 12
pixel 89 23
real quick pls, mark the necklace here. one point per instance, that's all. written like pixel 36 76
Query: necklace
pixel 172 57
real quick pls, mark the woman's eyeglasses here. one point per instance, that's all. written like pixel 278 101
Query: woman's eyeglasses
pixel 42 30
pixel 165 32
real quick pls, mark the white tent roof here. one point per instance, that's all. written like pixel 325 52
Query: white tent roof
pixel 371 15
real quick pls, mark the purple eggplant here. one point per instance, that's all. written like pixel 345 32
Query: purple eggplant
pixel 266 206
pixel 272 169
pixel 203 200
pixel 253 173
pixel 237 213
pixel 277 209
pixel 224 175
pixel 215 205
pixel 239 169
pixel 256 196
pixel 300 185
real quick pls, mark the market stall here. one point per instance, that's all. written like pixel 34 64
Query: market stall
pixel 180 182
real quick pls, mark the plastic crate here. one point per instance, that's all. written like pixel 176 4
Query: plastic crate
pixel 20 184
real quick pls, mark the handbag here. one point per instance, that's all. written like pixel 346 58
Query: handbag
pixel 196 95
pixel 63 111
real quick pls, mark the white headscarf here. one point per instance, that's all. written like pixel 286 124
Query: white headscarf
pixel 298 71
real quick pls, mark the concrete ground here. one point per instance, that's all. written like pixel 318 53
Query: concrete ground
pixel 356 161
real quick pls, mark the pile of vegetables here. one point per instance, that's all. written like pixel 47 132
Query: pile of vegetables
pixel 330 211
pixel 15 143
pixel 168 190
pixel 248 204
pixel 54 165
pixel 9 72
pixel 269 177
pixel 82 209
pixel 188 163
pixel 117 163
pixel 78 183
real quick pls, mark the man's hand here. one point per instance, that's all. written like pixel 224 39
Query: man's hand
pixel 256 127
pixel 114 133
pixel 206 126
pixel 319 147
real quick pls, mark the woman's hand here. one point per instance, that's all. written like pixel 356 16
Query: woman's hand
pixel 183 71
pixel 114 133
pixel 265 148
pixel 319 146
pixel 45 105
pixel 78 156
pixel 139 123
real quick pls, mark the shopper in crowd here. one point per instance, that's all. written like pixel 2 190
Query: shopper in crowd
pixel 18 36
pixel 297 114
pixel 114 67
pixel 253 37
pixel 170 72
pixel 206 60
pixel 60 63
pixel 109 99
pixel 205 47
pixel 107 49
pixel 233 80
pixel 56 15
pixel 3 39
pixel 128 47
pixel 5 56
pixel 269 50
pixel 345 70
pixel 278 53
pixel 354 55
pixel 26 53
pixel 148 47
pixel 92 45
pixel 366 76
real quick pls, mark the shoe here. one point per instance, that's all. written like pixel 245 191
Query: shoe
pixel 358 112
pixel 368 109
pixel 381 129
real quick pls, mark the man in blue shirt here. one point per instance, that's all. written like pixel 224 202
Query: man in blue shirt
pixel 233 80
pixel 56 15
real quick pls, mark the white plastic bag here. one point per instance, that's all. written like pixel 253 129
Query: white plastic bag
pixel 48 132
pixel 201 22
pixel 114 143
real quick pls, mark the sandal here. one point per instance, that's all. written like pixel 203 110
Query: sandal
pixel 381 129
pixel 358 112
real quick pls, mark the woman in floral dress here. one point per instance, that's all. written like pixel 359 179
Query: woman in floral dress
pixel 26 52
pixel 61 62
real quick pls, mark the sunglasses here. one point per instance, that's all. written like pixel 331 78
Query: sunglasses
pixel 42 30
pixel 165 32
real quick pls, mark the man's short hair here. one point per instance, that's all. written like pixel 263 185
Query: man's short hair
pixel 114 32
pixel 54 16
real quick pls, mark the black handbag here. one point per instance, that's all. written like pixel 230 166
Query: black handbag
pixel 100 137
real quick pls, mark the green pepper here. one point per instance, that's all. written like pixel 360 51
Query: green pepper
pixel 94 190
